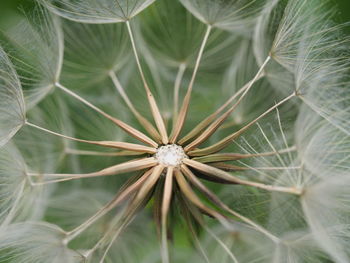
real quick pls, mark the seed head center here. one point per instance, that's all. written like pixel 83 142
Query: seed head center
pixel 170 155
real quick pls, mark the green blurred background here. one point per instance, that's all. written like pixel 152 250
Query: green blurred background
pixel 9 7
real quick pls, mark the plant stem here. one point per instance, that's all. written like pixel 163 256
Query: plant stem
pixel 110 144
pixel 185 104
pixel 130 130
pixel 226 141
pixel 177 85
pixel 153 105
pixel 217 123
pixel 142 120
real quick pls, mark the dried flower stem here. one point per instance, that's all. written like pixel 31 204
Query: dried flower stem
pixel 199 127
pixel 168 188
pixel 219 157
pixel 115 169
pixel 217 123
pixel 226 141
pixel 109 144
pixel 154 108
pixel 184 108
pixel 211 196
pixel 218 173
pixel 130 130
pixel 142 120
pixel 118 199
pixel 177 85
pixel 96 153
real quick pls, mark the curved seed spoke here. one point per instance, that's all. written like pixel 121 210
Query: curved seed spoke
pixel 228 140
pixel 153 105
pixel 130 211
pixel 122 93
pixel 127 146
pixel 142 120
pixel 180 119
pixel 168 188
pixel 113 170
pixel 194 211
pixel 190 220
pixel 220 174
pixel 209 131
pixel 193 198
pixel 150 128
pixel 201 126
pixel 12 211
pixel 197 129
pixel 110 144
pixel 222 157
pixel 230 167
pixel 96 153
pixel 222 244
pixel 177 85
pixel 184 108
pixel 218 122
pixel 118 199
pixel 158 118
pixel 211 196
pixel 118 231
pixel 150 182
pixel 130 130
pixel 111 234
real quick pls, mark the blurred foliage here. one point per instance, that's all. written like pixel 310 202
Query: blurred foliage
pixel 9 8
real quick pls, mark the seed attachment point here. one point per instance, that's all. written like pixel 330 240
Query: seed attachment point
pixel 170 155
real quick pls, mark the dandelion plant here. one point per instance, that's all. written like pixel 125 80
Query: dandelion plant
pixel 175 131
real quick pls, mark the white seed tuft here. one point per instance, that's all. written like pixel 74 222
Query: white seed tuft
pixel 170 155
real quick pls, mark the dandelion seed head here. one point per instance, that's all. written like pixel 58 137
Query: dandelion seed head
pixel 170 155
pixel 277 131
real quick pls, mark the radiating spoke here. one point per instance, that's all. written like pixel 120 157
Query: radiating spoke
pixel 142 120
pixel 15 206
pixel 220 174
pixel 218 122
pixel 96 153
pixel 123 220
pixel 118 231
pixel 222 244
pixel 194 211
pixel 153 105
pixel 134 205
pixel 193 198
pixel 129 212
pixel 116 169
pixel 185 104
pixel 110 144
pixel 206 122
pixel 151 181
pixel 211 196
pixel 130 130
pixel 177 85
pixel 227 140
pixel 231 167
pixel 132 208
pixel 168 188
pixel 118 199
pixel 222 157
